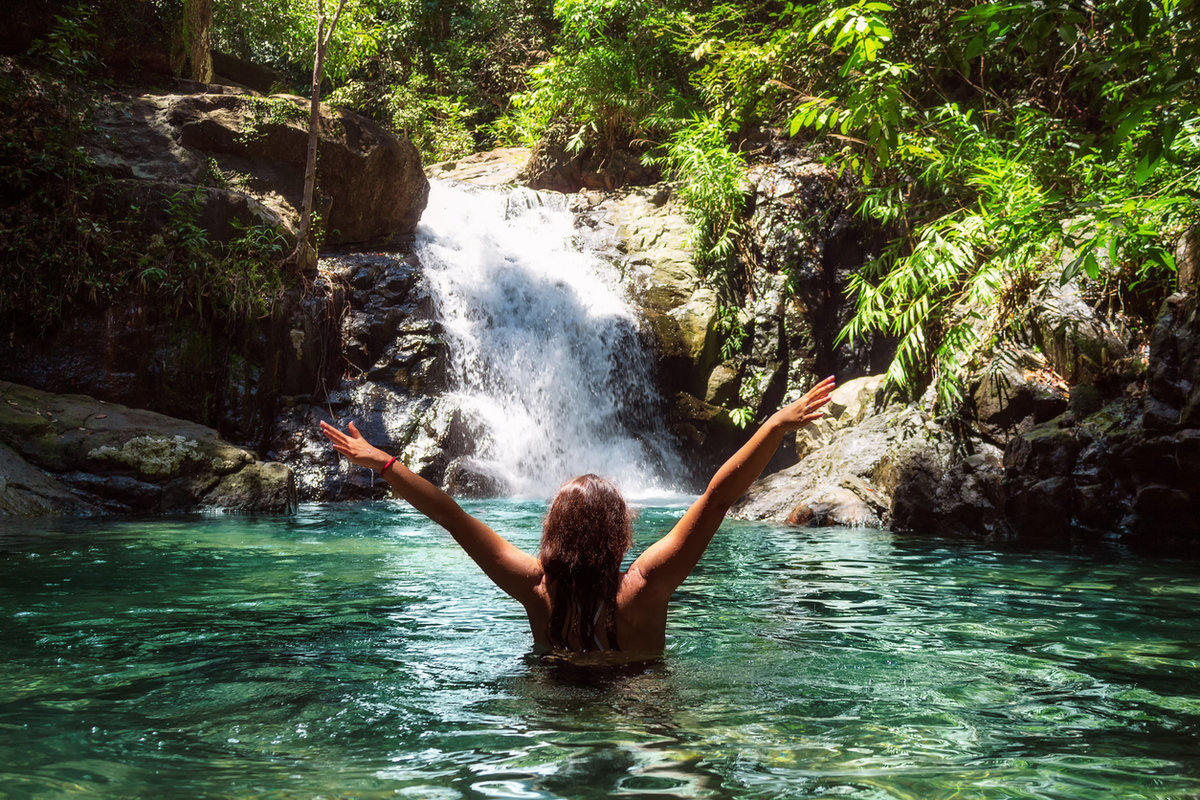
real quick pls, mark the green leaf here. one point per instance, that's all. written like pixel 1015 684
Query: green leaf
pixel 1147 164
pixel 1130 120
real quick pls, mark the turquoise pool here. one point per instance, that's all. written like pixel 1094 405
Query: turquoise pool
pixel 355 652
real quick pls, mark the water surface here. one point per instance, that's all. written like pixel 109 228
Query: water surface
pixel 354 651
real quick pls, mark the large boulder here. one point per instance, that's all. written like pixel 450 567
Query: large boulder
pixel 895 467
pixel 370 183
pixel 73 454
pixel 231 70
pixel 1015 390
pixel 849 404
pixel 1079 344
pixel 554 166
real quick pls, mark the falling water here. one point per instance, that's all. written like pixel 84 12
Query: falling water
pixel 548 362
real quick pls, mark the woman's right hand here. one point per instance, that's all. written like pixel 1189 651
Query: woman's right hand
pixel 354 447
pixel 807 409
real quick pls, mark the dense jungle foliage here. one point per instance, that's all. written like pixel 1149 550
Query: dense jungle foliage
pixel 998 144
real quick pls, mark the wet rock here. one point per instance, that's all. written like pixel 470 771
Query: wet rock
pixel 466 477
pixel 1084 400
pixel 648 232
pixel 1042 510
pixel 437 435
pixel 397 363
pixel 962 496
pixel 837 506
pixel 26 491
pixel 113 458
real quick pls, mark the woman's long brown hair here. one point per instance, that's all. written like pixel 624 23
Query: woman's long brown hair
pixel 586 534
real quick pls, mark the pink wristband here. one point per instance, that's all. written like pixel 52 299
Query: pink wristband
pixel 388 465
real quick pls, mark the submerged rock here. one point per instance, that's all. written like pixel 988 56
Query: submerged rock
pixel 71 454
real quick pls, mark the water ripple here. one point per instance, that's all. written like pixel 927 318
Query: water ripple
pixel 356 652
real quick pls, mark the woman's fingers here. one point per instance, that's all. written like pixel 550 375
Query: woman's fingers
pixel 332 433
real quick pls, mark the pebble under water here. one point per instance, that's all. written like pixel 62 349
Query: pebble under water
pixel 356 652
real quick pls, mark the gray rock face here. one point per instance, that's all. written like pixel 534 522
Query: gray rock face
pixel 71 454
pixel 646 231
pixel 803 227
pixel 371 182
pixel 893 468
pixel 232 379
pixel 1016 390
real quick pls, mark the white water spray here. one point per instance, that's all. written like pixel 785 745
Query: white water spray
pixel 547 360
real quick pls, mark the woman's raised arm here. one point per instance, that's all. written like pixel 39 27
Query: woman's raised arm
pixel 509 567
pixel 666 563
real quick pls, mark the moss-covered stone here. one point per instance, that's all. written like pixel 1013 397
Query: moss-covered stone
pixel 73 454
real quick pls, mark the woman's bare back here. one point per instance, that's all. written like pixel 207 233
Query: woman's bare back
pixel 641 620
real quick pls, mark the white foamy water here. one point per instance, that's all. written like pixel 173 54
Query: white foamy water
pixel 547 361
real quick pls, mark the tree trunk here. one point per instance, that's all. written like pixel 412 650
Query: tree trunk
pixel 191 48
pixel 305 252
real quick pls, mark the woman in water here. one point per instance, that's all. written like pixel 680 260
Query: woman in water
pixel 574 592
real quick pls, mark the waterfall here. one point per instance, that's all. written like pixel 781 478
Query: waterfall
pixel 547 362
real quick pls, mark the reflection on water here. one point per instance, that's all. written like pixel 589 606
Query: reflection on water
pixel 353 651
